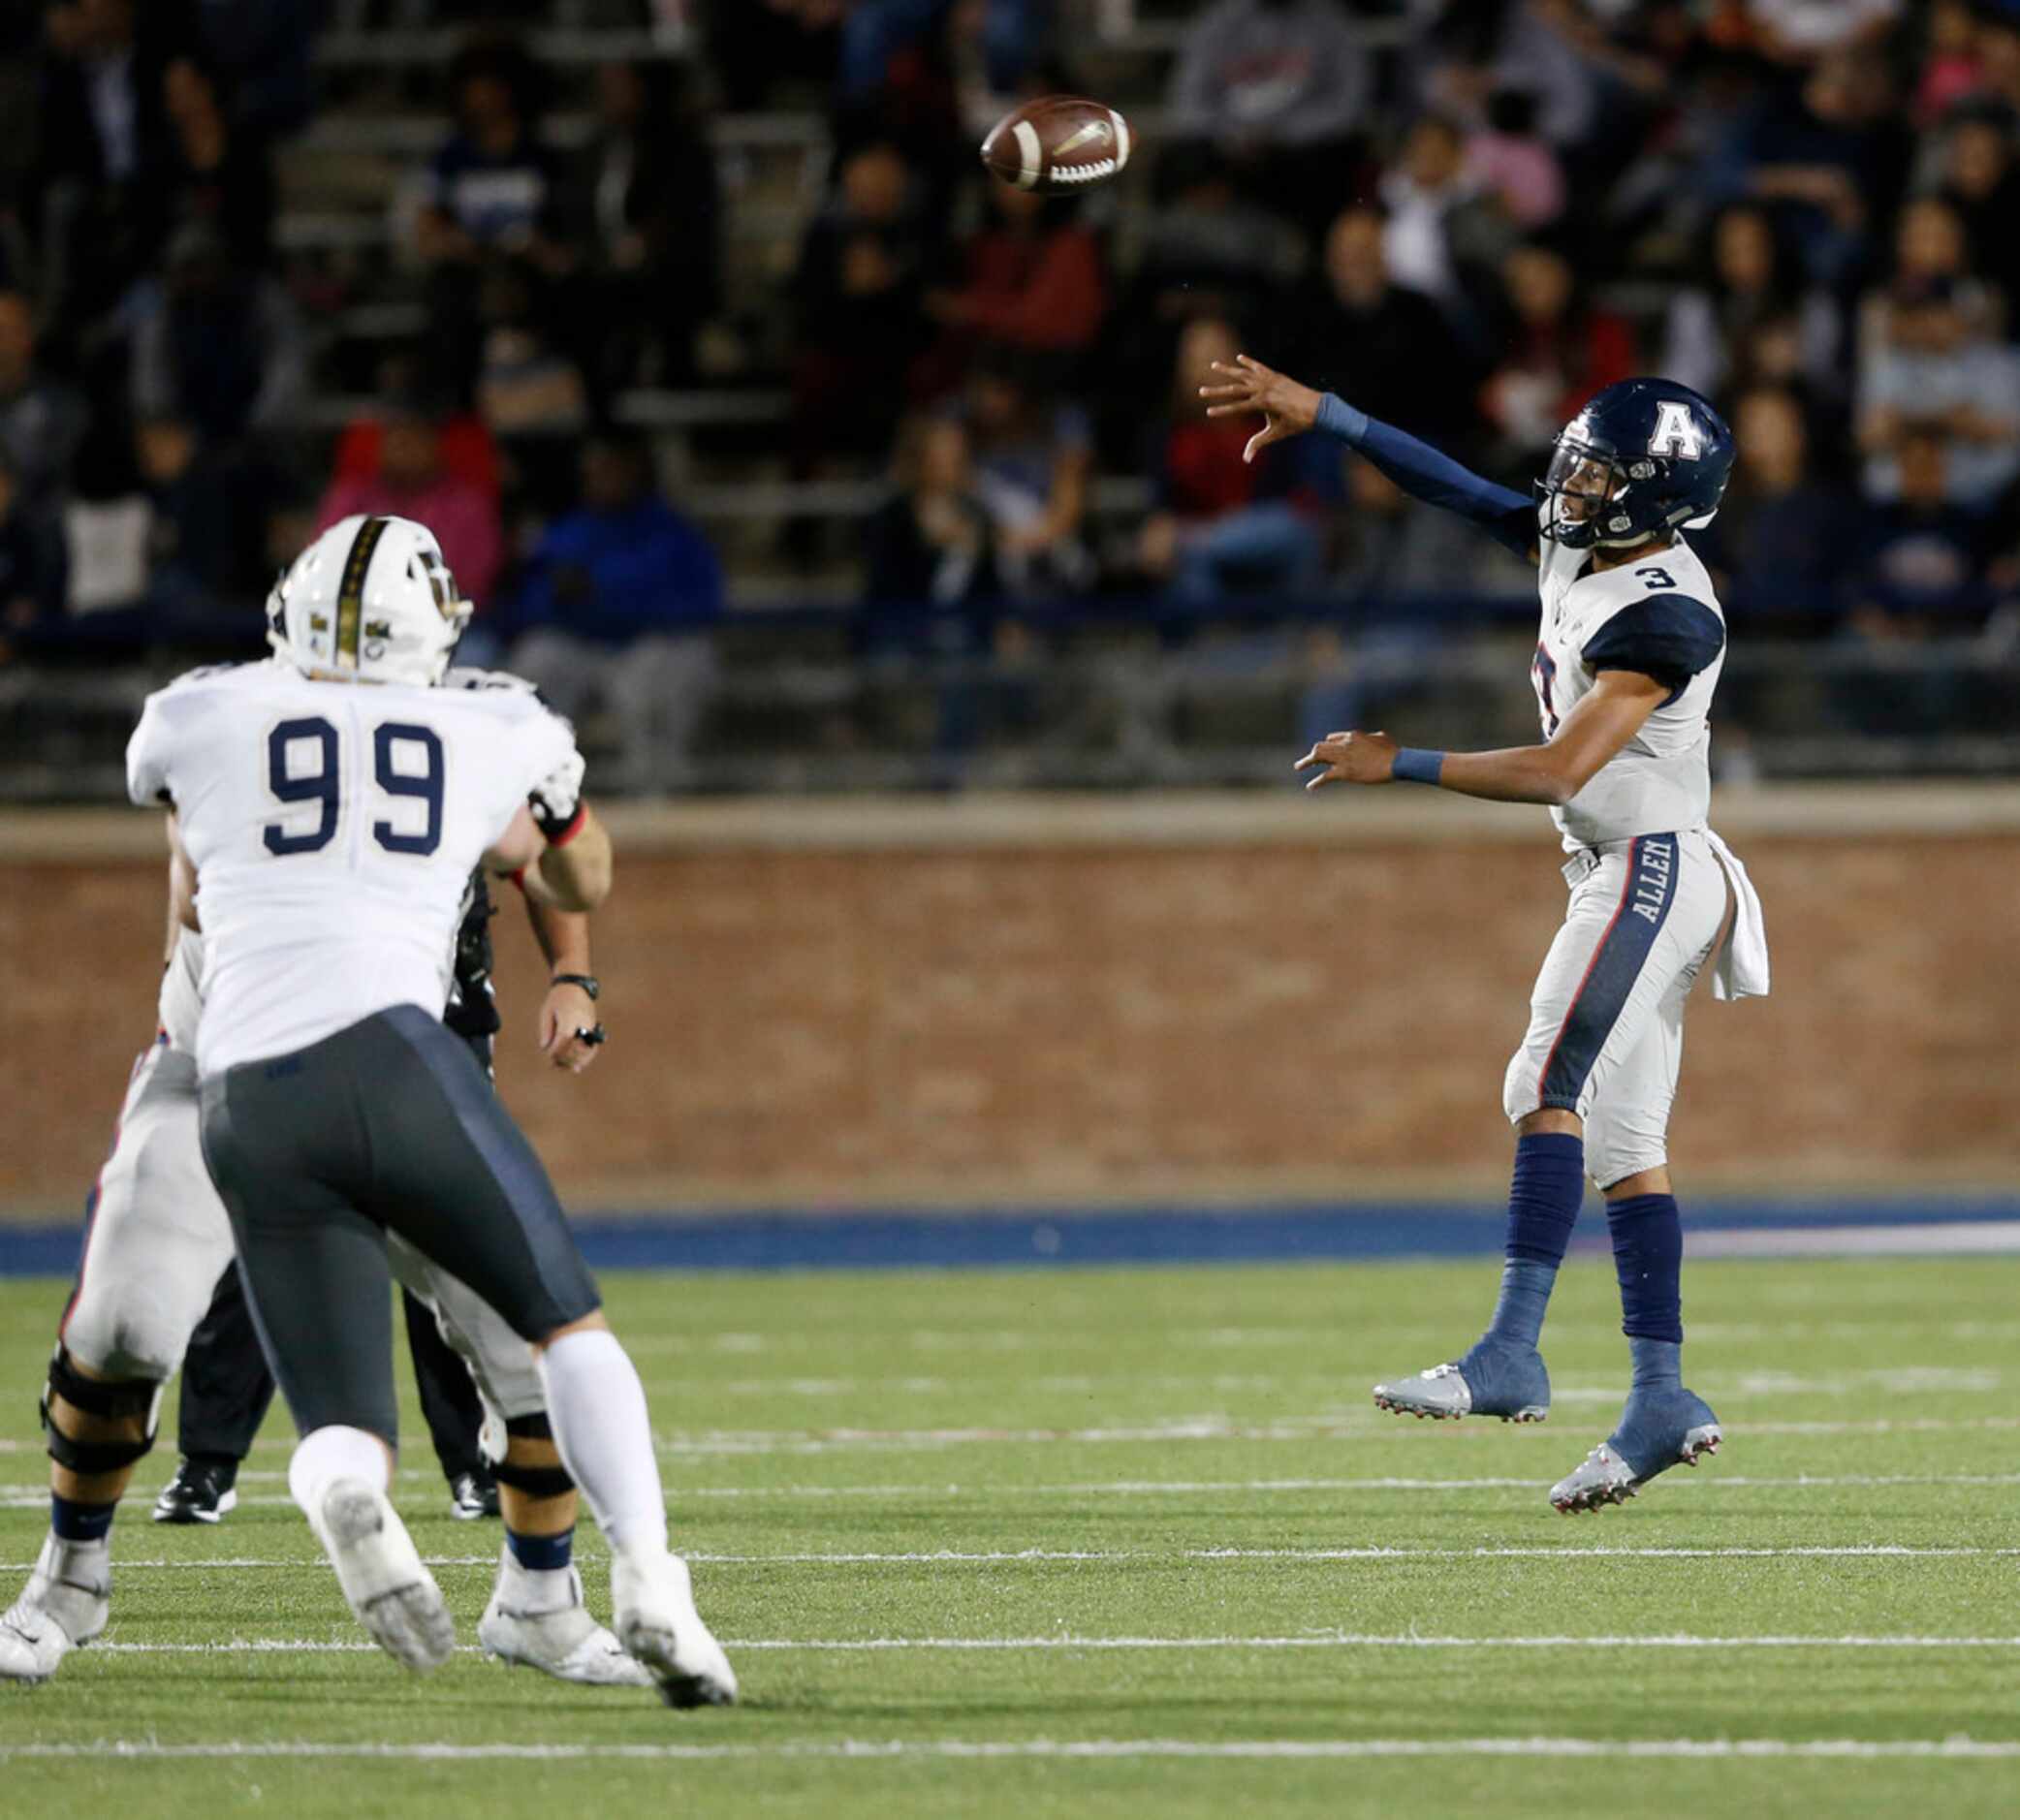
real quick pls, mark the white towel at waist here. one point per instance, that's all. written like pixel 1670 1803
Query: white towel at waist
pixel 1741 968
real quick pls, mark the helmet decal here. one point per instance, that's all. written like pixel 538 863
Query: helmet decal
pixel 350 591
pixel 1676 432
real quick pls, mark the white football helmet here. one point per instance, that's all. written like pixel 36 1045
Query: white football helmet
pixel 369 601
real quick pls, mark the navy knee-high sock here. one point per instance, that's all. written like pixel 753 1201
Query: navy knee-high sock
pixel 1542 1209
pixel 1648 1257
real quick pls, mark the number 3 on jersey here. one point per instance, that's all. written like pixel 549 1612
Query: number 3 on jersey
pixel 303 764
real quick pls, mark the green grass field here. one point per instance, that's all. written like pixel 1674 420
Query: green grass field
pixel 1136 1542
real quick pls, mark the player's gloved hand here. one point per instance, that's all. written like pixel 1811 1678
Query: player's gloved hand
pixel 557 800
pixel 570 1034
pixel 1351 758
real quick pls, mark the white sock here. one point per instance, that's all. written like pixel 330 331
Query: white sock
pixel 597 1407
pixel 334 1453
pixel 534 1591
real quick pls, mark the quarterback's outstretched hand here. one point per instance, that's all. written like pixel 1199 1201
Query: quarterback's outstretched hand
pixel 1288 408
pixel 1351 758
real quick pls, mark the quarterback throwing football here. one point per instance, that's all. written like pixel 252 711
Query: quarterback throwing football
pixel 1629 657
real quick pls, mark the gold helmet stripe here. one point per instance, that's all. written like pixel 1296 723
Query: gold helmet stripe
pixel 350 592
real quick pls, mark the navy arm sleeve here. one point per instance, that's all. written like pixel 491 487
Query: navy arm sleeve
pixel 1670 637
pixel 1421 471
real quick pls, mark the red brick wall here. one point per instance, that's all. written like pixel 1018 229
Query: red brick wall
pixel 808 1026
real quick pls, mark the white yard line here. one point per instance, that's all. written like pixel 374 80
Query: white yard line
pixel 871 1750
pixel 30 1494
pixel 1314 1640
pixel 1869 1551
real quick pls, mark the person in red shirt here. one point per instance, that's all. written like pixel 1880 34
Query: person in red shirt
pixel 1222 525
pixel 1032 279
pixel 1559 351
pixel 413 482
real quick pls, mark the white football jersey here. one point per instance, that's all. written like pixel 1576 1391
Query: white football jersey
pixel 333 827
pixel 1659 616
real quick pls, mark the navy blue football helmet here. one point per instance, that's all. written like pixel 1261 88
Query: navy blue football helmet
pixel 1644 456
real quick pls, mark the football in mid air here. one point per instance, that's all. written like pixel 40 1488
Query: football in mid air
pixel 1057 143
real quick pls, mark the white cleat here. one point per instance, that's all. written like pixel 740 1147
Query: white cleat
pixel 394 1596
pixel 563 1640
pixel 658 1624
pixel 63 1606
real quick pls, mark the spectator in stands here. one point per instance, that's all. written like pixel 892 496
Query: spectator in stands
pixel 1222 525
pixel 31 563
pixel 219 172
pixel 1030 280
pixel 206 555
pixel 464 444
pixel 1387 549
pixel 1830 159
pixel 1802 31
pixel 644 203
pixel 530 395
pixel 264 49
pixel 1278 86
pixel 1033 459
pixel 105 145
pixel 1007 35
pixel 1751 282
pixel 1443 235
pixel 1781 539
pixel 215 342
pixel 412 481
pixel 617 610
pixel 1931 243
pixel 1207 250
pixel 1981 184
pixel 1509 159
pixel 41 422
pixel 932 541
pixel 493 184
pixel 493 189
pixel 1934 372
pixel 857 293
pixel 1560 351
pixel 1380 343
pixel 1951 68
pixel 1921 567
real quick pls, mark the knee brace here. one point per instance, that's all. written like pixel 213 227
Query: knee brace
pixel 97 1397
pixel 534 1481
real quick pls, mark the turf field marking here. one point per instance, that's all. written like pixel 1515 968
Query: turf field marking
pixel 1097 1748
pixel 28 1494
pixel 1313 1640
pixel 1883 1550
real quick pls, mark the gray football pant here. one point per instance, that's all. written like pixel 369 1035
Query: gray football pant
pixel 387 1127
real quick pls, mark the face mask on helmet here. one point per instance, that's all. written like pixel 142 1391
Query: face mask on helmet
pixel 369 601
pixel 1587 495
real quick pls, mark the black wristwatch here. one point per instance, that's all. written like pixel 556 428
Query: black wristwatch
pixel 587 981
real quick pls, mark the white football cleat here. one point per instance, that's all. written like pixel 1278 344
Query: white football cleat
pixel 63 1605
pixel 561 1640
pixel 394 1596
pixel 658 1624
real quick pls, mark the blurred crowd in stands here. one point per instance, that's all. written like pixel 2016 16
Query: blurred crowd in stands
pixel 1463 220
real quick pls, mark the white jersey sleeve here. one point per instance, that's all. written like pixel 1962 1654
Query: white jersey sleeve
pixel 333 827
